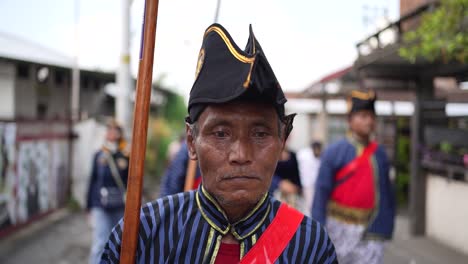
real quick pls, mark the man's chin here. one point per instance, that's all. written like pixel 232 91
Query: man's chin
pixel 238 198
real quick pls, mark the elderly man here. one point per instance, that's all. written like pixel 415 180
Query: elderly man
pixel 236 130
pixel 353 195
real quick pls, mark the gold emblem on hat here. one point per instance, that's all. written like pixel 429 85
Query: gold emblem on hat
pixel 201 59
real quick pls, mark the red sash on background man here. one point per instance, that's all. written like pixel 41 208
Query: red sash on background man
pixel 355 182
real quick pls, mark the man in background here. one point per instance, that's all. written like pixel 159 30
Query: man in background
pixel 353 194
pixel 309 162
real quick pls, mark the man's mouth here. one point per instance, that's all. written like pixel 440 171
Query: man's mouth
pixel 239 177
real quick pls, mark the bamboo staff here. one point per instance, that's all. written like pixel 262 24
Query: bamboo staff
pixel 190 175
pixel 140 126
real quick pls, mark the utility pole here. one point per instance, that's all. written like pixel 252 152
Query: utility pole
pixel 74 100
pixel 75 94
pixel 218 6
pixel 124 82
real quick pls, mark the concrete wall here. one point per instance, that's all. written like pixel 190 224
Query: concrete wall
pixel 301 133
pixel 447 212
pixel 90 138
pixel 92 97
pixel 34 170
pixel 26 95
pixel 7 90
pixel 58 100
pixel 30 93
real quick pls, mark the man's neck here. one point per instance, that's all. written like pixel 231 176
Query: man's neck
pixel 229 239
pixel 363 139
pixel 236 212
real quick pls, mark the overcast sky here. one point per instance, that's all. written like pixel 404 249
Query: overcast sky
pixel 303 39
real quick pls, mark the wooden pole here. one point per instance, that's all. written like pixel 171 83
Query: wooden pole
pixel 140 126
pixel 190 175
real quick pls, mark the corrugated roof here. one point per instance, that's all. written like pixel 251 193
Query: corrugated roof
pixel 16 48
pixel 336 75
pixel 316 87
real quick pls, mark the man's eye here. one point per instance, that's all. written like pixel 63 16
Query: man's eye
pixel 220 134
pixel 260 134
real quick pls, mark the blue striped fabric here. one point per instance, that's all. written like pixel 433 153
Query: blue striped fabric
pixel 188 227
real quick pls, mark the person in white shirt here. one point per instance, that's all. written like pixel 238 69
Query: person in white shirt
pixel 309 164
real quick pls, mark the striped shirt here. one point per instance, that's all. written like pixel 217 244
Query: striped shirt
pixel 188 227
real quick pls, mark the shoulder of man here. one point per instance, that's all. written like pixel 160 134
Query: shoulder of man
pixel 313 239
pixel 381 150
pixel 339 144
pixel 336 148
pixel 320 245
pixel 152 214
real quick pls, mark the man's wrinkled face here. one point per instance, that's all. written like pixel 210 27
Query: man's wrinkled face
pixel 237 146
pixel 362 122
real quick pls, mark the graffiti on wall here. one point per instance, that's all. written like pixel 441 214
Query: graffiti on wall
pixel 33 172
pixel 33 175
pixel 7 173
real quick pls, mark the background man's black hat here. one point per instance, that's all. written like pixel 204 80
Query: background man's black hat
pixel 358 101
pixel 225 72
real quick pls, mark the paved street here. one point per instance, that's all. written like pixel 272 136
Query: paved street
pixel 409 250
pixel 64 238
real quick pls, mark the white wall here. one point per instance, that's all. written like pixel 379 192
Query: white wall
pixel 300 135
pixel 7 90
pixel 447 212
pixel 307 124
pixel 90 138
pixel 26 95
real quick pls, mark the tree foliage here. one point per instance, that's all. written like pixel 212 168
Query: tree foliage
pixel 165 126
pixel 441 36
pixel 175 111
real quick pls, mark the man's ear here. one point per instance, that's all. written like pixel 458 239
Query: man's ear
pixel 283 139
pixel 190 142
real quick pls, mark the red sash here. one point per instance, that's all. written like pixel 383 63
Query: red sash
pixel 196 182
pixel 356 188
pixel 276 237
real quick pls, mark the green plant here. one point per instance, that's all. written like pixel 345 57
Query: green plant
pixel 441 35
pixel 159 137
pixel 402 159
pixel 164 127
pixel 73 205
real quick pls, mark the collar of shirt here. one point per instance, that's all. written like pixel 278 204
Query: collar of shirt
pixel 216 217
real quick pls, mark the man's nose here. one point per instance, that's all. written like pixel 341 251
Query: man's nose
pixel 241 152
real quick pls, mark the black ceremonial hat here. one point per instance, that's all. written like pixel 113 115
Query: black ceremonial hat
pixel 358 101
pixel 225 72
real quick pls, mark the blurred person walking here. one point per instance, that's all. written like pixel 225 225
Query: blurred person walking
pixel 174 148
pixel 353 195
pixel 286 184
pixel 106 192
pixel 308 160
pixel 174 177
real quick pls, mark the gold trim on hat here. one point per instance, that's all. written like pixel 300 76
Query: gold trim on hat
pixel 363 95
pixel 234 52
pixel 247 81
pixel 231 48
